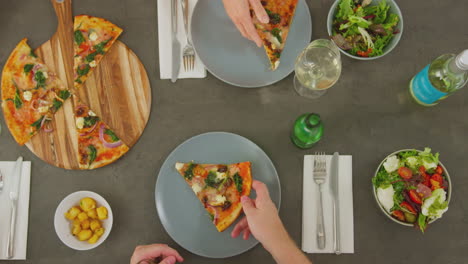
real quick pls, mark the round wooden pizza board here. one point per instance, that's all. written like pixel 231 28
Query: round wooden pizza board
pixel 118 91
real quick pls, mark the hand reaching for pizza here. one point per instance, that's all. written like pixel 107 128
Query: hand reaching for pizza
pixel 150 253
pixel 239 12
pixel 262 219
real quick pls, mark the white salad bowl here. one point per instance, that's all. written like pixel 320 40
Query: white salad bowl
pixel 374 191
pixel 394 9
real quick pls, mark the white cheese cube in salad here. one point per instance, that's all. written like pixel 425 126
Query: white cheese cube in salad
pixel 435 206
pixel 391 164
pixel 385 197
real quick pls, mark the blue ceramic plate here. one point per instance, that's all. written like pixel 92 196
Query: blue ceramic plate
pixel 184 217
pixel 236 60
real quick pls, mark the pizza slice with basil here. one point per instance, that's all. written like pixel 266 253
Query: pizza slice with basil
pixel 31 93
pixel 219 188
pixel 98 145
pixel 275 32
pixel 93 37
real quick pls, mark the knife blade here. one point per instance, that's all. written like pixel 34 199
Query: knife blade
pixel 14 195
pixel 175 44
pixel 334 183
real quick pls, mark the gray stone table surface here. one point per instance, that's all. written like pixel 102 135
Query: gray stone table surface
pixel 367 114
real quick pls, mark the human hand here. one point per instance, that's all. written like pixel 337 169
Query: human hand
pixel 239 12
pixel 155 251
pixel 261 219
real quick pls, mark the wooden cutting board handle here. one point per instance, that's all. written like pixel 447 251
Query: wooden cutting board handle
pixel 63 38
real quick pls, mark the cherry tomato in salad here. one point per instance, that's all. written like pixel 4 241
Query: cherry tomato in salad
pixel 426 177
pixel 399 215
pixel 405 173
pixel 414 196
pixel 437 177
pixel 408 207
pixel 364 53
pixel 439 170
pixel 435 185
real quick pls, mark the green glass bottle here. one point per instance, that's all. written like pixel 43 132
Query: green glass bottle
pixel 308 130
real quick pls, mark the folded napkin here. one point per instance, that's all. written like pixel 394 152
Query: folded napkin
pixel 165 41
pixel 21 235
pixel 310 204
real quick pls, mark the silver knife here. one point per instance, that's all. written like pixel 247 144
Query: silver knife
pixel 175 43
pixel 14 192
pixel 334 183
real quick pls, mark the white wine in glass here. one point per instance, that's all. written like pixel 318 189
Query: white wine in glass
pixel 318 67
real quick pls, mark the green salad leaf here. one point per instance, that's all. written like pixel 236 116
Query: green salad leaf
pixel 391 22
pixel 379 44
pixel 345 9
pixel 381 12
pixel 422 222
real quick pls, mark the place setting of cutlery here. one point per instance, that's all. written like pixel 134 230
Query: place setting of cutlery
pixel 174 33
pixel 14 205
pixel 327 204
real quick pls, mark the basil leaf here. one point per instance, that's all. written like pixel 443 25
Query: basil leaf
pixel 100 47
pixel 238 182
pixel 113 136
pixel 40 79
pixel 64 94
pixel 83 71
pixel 189 172
pixel 56 104
pixel 32 54
pixel 38 123
pixel 17 100
pixel 277 54
pixel 274 17
pixel 79 38
pixel 28 68
pixel 78 80
pixel 91 57
pixel 89 121
pixel 211 180
pixel 92 154
pixel 276 33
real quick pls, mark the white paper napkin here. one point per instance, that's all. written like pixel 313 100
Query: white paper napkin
pixel 21 235
pixel 165 41
pixel 310 203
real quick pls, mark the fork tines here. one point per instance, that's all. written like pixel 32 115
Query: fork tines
pixel 320 170
pixel 189 62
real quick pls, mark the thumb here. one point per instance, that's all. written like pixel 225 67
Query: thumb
pixel 168 260
pixel 247 204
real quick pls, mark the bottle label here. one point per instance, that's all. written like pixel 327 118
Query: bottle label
pixel 423 90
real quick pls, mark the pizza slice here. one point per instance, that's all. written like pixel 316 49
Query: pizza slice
pixel 98 145
pixel 275 32
pixel 219 188
pixel 93 37
pixel 31 93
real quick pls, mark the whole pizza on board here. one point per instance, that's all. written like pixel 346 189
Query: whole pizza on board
pixel 32 93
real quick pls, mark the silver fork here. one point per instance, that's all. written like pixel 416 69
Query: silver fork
pixel 320 176
pixel 188 53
